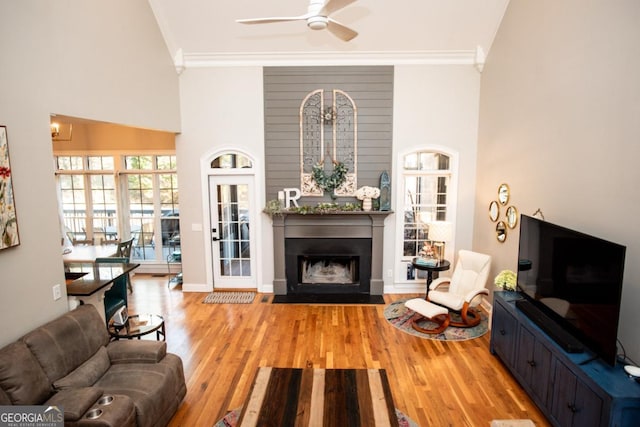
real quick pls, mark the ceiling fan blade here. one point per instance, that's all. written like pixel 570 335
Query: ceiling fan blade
pixel 271 20
pixel 340 31
pixel 334 5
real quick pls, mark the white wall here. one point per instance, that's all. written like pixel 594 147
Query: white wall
pixel 434 106
pixel 559 123
pixel 86 58
pixel 223 107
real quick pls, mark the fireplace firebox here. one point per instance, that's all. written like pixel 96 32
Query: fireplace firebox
pixel 328 265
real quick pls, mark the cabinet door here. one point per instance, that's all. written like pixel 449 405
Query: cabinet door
pixel 533 364
pixel 573 403
pixel 503 334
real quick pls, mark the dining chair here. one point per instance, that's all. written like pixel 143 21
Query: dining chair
pixel 99 236
pixel 124 251
pixel 116 297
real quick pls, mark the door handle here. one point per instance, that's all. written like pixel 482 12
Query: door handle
pixel 214 235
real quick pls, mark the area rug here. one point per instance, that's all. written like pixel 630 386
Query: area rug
pixel 314 396
pixel 400 316
pixel 231 419
pixel 229 297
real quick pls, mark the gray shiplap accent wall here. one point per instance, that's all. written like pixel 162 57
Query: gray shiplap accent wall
pixel 370 87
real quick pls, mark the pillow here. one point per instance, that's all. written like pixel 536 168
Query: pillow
pixel 86 374
pixel 21 376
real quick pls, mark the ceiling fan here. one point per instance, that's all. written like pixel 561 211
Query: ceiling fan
pixel 317 18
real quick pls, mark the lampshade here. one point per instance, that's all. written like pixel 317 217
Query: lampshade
pixel 440 231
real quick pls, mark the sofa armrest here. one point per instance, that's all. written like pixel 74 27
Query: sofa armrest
pixel 75 401
pixel 136 351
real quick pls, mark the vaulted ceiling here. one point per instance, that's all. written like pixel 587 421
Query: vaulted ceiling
pixel 205 31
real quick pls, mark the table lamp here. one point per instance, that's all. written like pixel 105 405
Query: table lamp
pixel 440 232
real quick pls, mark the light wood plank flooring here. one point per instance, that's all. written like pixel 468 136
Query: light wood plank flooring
pixel 221 345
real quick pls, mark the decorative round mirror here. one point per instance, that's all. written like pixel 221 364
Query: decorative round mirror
pixel 494 211
pixel 501 231
pixel 503 194
pixel 512 217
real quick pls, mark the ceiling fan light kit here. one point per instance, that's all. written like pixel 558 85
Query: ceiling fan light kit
pixel 317 18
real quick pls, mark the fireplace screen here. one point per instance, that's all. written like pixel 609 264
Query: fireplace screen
pixel 328 270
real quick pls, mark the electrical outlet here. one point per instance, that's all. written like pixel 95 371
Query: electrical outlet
pixel 389 273
pixel 57 292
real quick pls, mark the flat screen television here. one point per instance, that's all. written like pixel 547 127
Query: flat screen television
pixel 575 280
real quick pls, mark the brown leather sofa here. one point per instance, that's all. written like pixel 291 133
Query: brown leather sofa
pixel 71 363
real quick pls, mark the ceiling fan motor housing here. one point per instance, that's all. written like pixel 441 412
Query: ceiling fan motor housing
pixel 317 22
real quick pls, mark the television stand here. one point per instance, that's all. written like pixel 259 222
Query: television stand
pixel 568 391
pixel 557 333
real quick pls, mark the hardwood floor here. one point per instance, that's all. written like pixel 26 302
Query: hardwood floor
pixel 221 345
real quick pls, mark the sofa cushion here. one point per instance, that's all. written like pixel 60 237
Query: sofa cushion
pixel 86 374
pixel 21 377
pixel 65 343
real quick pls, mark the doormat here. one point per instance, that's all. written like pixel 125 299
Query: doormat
pixel 228 297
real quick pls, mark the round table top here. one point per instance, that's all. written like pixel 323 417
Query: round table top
pixel 440 266
pixel 137 325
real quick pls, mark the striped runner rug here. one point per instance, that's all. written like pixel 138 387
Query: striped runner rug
pixel 319 397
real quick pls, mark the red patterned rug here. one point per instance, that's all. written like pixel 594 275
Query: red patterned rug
pixel 400 316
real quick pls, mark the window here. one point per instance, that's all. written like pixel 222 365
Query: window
pixel 72 198
pixel 152 197
pixel 104 211
pixel 88 196
pixel 426 178
pixel 231 161
pixel 94 212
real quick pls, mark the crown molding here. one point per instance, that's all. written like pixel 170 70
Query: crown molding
pixel 211 60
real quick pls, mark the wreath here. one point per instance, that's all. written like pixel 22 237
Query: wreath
pixel 333 181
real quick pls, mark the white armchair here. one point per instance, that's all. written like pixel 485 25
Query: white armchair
pixel 466 286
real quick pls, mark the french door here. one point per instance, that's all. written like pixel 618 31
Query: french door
pixel 232 248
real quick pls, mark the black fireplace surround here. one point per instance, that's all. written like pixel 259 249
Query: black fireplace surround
pixel 353 252
pixel 349 238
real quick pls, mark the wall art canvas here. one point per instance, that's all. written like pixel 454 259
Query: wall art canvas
pixel 8 223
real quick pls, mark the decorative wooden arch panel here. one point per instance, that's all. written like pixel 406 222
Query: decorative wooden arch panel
pixel 341 119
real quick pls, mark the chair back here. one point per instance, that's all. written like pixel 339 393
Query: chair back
pixel 99 236
pixel 471 272
pixel 124 249
pixel 115 297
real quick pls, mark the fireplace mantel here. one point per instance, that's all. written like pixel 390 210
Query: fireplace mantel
pixel 344 225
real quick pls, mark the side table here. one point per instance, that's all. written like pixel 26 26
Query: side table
pixel 174 258
pixel 138 325
pixel 440 266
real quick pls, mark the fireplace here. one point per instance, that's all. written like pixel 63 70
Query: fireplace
pixel 328 265
pixel 333 253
